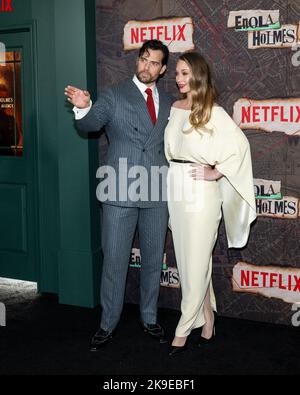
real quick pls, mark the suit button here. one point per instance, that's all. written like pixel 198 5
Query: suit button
pixel 159 152
pixel 136 129
pixel 144 150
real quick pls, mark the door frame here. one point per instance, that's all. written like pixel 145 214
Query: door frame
pixel 31 29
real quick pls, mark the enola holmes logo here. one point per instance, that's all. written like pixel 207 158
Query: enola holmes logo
pixel 6 6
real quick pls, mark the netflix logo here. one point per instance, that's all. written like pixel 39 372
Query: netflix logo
pixel 6 6
pixel 280 115
pixel 176 33
pixel 270 281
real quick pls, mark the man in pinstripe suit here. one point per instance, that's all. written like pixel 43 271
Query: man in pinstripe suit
pixel 134 121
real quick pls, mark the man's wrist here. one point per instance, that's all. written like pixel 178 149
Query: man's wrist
pixel 88 105
pixel 81 112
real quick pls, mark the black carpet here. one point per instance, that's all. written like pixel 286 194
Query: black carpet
pixel 42 337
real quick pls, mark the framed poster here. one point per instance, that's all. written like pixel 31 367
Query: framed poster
pixel 11 133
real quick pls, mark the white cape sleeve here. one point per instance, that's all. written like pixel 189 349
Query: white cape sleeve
pixel 237 189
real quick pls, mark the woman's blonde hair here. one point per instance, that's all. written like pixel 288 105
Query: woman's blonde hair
pixel 202 89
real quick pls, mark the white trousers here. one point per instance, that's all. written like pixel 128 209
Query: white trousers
pixel 195 213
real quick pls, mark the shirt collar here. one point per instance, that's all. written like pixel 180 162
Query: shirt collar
pixel 142 87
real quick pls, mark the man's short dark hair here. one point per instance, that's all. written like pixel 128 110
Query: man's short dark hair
pixel 155 45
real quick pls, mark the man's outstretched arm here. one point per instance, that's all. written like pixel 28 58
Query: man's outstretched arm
pixel 90 118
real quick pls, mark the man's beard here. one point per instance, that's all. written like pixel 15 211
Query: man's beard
pixel 145 77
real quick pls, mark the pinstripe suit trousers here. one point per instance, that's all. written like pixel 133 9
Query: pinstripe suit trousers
pixel 118 229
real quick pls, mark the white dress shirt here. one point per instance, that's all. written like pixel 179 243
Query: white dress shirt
pixel 142 87
pixel 81 112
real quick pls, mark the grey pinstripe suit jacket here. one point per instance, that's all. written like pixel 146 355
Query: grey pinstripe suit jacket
pixel 123 111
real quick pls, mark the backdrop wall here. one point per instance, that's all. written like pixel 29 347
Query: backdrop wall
pixel 239 72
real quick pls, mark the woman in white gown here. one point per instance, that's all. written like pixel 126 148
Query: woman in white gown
pixel 210 169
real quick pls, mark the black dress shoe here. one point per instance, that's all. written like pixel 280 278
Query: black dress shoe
pixel 100 338
pixel 176 350
pixel 203 341
pixel 155 331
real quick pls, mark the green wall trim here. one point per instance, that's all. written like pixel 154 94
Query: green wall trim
pixel 78 158
pixel 77 272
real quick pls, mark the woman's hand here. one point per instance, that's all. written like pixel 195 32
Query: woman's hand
pixel 199 172
pixel 78 97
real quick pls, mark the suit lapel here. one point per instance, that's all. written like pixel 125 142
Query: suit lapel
pixel 138 102
pixel 136 99
pixel 164 110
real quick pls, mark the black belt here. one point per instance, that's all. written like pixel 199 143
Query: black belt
pixel 181 161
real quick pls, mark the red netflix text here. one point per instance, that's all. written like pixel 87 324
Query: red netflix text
pixel 6 6
pixel 162 33
pixel 269 113
pixel 260 279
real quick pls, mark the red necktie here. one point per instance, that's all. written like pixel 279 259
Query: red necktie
pixel 150 105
